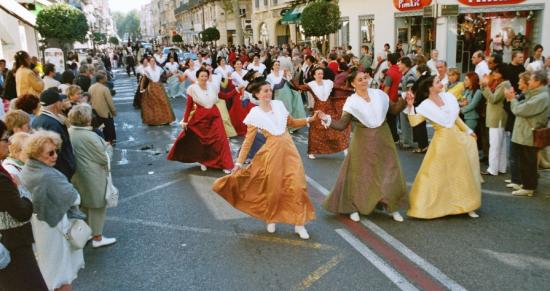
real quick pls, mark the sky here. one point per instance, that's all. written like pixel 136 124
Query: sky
pixel 126 5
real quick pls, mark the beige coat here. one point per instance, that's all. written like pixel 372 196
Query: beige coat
pixel 27 82
pixel 495 115
pixel 102 101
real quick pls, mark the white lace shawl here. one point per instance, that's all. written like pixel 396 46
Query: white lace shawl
pixel 322 92
pixel 274 122
pixel 445 115
pixel 371 114
pixel 238 79
pixel 205 98
pixel 153 75
pixel 274 80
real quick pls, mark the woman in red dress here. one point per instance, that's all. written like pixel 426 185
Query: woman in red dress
pixel 203 139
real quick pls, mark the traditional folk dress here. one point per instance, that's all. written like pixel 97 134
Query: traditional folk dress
pixel 273 187
pixel 175 87
pixel 238 107
pixel 217 83
pixel 204 141
pixel 291 99
pixel 155 106
pixel 448 181
pixel 321 140
pixel 371 172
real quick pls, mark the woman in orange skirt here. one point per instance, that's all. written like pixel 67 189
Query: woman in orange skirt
pixel 273 187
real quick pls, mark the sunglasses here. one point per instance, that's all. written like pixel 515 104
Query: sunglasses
pixel 52 153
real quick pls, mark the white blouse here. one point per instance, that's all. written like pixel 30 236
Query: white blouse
pixel 371 114
pixel 238 78
pixel 172 67
pixel 205 98
pixel 273 122
pixel 223 71
pixel 274 80
pixel 321 91
pixel 153 74
pixel 260 68
pixel 445 115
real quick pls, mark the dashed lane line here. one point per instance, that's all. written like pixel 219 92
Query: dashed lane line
pixel 319 273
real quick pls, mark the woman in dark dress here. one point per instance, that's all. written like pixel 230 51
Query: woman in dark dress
pixel 22 273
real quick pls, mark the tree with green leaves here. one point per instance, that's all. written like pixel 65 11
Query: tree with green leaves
pixel 128 25
pixel 210 34
pixel 176 38
pixel 114 40
pixel 99 38
pixel 320 19
pixel 61 25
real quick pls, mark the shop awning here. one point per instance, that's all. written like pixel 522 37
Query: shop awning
pixel 18 11
pixel 293 15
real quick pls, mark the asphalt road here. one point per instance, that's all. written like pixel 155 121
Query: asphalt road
pixel 174 233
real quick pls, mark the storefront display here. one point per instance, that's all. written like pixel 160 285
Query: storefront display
pixel 498 33
pixel 413 32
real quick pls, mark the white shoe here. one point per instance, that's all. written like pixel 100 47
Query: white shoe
pixel 301 230
pixel 473 214
pixel 271 227
pixel 203 168
pixel 105 241
pixel 523 192
pixel 345 152
pixel 397 216
pixel 355 217
pixel 508 181
pixel 227 171
pixel 311 157
pixel 513 186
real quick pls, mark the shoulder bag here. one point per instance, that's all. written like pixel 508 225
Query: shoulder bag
pixel 541 136
pixel 78 234
pixel 111 193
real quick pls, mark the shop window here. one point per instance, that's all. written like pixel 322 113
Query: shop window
pixel 366 31
pixel 496 33
pixel 413 33
pixel 257 4
pixel 343 35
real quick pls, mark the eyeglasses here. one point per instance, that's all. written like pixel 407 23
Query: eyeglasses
pixel 52 153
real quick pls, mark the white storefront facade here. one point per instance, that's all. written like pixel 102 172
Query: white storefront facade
pixel 456 32
pixel 17 31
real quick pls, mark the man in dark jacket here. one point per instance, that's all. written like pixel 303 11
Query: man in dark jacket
pixel 49 119
pixel 83 79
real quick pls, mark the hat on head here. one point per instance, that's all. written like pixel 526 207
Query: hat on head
pixel 49 97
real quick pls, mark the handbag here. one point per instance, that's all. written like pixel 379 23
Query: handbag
pixel 5 257
pixel 111 193
pixel 78 234
pixel 541 137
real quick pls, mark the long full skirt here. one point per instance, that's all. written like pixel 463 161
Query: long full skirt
pixel 204 141
pixel 228 127
pixel 175 87
pixel 448 181
pixel 328 141
pixel 371 174
pixel 273 187
pixel 238 109
pixel 155 106
pixel 57 260
pixel 291 99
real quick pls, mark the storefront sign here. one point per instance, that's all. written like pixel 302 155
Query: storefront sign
pixel 489 2
pixel 408 5
pixel 55 56
pixel 449 10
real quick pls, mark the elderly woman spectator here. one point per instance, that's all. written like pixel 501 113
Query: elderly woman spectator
pixel 30 104
pixel 74 97
pixel 531 113
pixel 16 160
pixel 90 178
pixel 17 121
pixel 15 231
pixel 53 197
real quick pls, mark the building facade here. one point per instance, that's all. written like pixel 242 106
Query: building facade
pixel 268 23
pixel 456 28
pixel 194 16
pixel 17 31
pixel 146 22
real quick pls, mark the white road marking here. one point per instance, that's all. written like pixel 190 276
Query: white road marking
pixel 376 261
pixel 518 261
pixel 397 245
pixel 217 205
pixel 413 257
pixel 126 199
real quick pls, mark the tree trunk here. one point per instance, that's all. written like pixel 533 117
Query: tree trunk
pixel 238 23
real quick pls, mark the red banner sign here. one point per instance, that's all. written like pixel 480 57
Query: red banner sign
pixel 408 5
pixel 489 2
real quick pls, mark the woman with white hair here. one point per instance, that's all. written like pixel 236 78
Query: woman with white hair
pixel 92 168
pixel 15 162
pixel 53 198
